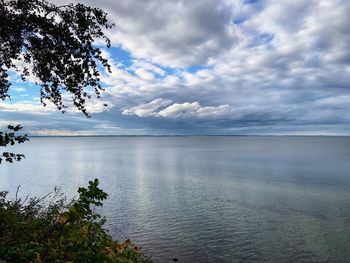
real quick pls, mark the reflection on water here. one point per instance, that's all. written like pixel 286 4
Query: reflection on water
pixel 207 199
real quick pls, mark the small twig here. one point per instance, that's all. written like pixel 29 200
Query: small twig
pixel 18 187
pixel 25 200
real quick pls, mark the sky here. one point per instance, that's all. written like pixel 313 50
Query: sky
pixel 205 67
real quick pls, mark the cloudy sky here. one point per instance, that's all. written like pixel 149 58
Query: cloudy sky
pixel 212 67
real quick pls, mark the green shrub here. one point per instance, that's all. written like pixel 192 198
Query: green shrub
pixel 49 229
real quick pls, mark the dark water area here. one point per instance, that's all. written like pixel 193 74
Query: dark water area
pixel 206 199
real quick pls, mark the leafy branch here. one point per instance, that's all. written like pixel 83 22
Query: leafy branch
pixel 9 137
pixel 56 44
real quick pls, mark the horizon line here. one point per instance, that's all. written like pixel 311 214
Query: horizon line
pixel 196 135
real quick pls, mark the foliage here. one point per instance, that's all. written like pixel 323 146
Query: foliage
pixel 55 45
pixel 9 137
pixel 42 230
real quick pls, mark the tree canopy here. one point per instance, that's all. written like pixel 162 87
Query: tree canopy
pixel 55 45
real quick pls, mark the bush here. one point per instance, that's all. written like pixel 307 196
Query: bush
pixel 49 229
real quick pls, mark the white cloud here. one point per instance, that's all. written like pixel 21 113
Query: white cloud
pixel 18 89
pixel 147 109
pixel 26 107
pixel 180 110
pixel 173 33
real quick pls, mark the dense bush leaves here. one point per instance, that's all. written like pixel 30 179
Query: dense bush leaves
pixel 31 231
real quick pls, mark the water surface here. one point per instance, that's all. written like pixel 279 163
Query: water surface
pixel 206 199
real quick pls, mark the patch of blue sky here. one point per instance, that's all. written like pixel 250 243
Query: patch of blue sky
pixel 125 58
pixel 167 70
pixel 254 4
pixel 196 68
pixel 239 20
pixel 263 39
pixel 21 91
pixel 121 56
pixel 247 2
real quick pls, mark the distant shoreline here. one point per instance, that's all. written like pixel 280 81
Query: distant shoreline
pixel 73 136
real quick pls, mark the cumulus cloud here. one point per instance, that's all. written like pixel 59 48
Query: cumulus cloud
pixel 173 33
pixel 188 110
pixel 175 110
pixel 147 109
pixel 195 110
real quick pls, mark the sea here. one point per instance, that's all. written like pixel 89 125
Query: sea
pixel 205 198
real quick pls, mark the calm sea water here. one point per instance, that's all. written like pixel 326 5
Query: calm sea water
pixel 207 199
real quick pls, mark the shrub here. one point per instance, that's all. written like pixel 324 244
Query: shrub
pixel 49 229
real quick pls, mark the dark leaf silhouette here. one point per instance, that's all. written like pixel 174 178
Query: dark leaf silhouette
pixel 9 137
pixel 55 44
